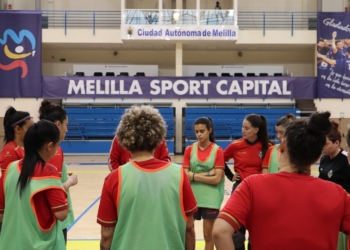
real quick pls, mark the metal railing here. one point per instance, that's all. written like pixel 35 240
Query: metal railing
pixel 81 20
pixel 277 21
pixel 246 20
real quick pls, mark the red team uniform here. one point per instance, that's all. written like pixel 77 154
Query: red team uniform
pixel 57 160
pixel 247 157
pixel 107 213
pixel 10 153
pixel 307 225
pixel 45 202
pixel 119 156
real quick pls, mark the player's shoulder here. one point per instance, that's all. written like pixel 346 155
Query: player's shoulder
pixel 49 170
pixel 10 146
pixel 238 141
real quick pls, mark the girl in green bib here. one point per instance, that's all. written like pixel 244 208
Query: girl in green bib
pixel 204 165
pixel 32 197
pixel 271 159
pixel 146 203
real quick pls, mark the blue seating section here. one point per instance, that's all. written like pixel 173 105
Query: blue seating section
pixel 228 121
pixel 100 123
pixel 98 126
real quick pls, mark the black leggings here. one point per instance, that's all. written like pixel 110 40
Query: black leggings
pixel 239 237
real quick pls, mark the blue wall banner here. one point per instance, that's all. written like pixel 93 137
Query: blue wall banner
pixel 20 54
pixel 333 55
pixel 179 87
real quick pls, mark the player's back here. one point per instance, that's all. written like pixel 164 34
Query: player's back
pixel 303 212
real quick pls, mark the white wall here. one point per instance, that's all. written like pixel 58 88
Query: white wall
pixel 68 4
pixel 147 4
pixel 30 105
pixel 333 5
pixel 337 107
pixel 300 63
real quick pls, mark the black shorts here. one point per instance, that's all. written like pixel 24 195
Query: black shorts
pixel 206 213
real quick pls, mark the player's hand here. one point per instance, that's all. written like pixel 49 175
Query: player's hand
pixel 236 177
pixel 189 175
pixel 73 180
pixel 334 34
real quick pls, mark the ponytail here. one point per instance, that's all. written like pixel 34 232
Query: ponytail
pixel 37 136
pixel 263 135
pixel 12 119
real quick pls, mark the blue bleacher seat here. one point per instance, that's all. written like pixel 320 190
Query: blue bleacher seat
pixel 101 123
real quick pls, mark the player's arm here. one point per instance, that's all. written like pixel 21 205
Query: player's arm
pixel 222 235
pixel 114 155
pixel 190 207
pixel 219 170
pixel 334 48
pixel 324 58
pixel 228 172
pixel 107 215
pixel 106 237
pixel 345 225
pixel 207 179
pixel 162 153
pixel 186 161
pixel 57 199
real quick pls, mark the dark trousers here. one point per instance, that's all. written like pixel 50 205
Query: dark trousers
pixel 239 237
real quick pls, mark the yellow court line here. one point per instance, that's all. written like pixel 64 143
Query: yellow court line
pixel 91 171
pixel 95 245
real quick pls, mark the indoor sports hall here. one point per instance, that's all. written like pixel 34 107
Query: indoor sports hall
pixel 188 58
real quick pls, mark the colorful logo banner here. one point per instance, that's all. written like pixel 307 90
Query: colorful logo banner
pixel 20 54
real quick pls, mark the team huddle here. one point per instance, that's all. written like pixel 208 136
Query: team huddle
pixel 148 202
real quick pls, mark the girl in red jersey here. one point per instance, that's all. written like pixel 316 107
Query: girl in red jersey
pixel 248 154
pixel 16 124
pixel 200 159
pixel 57 115
pixel 32 197
pixel 303 212
pixel 119 156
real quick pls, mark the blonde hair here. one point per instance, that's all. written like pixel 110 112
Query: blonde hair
pixel 141 128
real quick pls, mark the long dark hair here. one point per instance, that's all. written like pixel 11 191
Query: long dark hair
pixel 12 119
pixel 209 124
pixel 259 121
pixel 51 112
pixel 306 139
pixel 36 137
